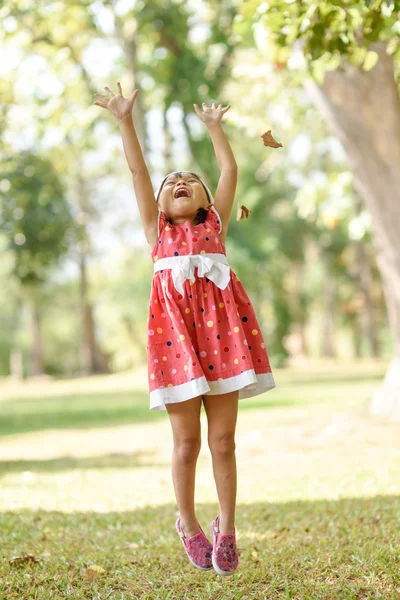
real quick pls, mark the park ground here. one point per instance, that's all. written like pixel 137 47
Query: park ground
pixel 87 508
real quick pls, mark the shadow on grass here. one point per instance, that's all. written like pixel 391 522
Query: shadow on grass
pixel 115 460
pixel 322 549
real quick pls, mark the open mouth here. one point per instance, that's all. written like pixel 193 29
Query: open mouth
pixel 182 192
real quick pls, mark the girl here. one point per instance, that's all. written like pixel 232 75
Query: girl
pixel 204 341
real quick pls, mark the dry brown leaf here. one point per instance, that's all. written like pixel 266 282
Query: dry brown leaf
pixel 242 212
pixel 269 140
pixel 24 558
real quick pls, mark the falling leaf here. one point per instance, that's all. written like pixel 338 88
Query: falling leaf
pixel 242 212
pixel 269 140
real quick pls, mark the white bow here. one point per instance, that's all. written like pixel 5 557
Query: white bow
pixel 217 271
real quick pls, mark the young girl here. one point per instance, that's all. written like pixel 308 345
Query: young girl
pixel 205 345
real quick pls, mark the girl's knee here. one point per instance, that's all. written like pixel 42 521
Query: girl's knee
pixel 187 448
pixel 222 444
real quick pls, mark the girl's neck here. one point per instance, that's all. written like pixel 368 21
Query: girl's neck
pixel 198 218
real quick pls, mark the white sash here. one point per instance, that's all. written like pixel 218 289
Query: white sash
pixel 214 266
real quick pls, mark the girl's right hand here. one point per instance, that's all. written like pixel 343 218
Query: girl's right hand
pixel 119 106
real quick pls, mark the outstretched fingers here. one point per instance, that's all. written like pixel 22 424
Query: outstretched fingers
pixel 109 92
pixel 102 100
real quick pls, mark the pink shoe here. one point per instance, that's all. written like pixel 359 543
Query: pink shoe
pixel 197 547
pixel 225 557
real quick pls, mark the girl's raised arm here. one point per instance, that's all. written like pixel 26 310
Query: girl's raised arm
pixel 226 188
pixel 121 108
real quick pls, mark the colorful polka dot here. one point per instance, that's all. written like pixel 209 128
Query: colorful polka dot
pixel 223 365
pixel 182 337
pixel 203 353
pixel 211 367
pixel 221 305
pixel 151 332
pixel 202 251
pixel 152 376
pixel 210 323
pixel 173 371
pixel 245 319
pixel 159 330
pixel 215 351
pixel 236 361
pixel 254 332
pixel 169 343
pixel 236 329
pixel 164 358
pixel 185 368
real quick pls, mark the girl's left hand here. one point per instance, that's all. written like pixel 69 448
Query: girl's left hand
pixel 212 115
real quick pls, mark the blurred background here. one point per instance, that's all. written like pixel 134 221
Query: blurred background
pixel 75 270
pixel 319 256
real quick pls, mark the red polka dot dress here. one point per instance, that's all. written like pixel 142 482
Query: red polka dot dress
pixel 203 334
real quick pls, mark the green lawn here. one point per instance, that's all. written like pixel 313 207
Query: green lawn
pixel 85 480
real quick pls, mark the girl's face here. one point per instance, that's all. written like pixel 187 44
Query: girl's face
pixel 181 196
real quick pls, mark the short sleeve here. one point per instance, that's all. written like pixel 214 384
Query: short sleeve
pixel 214 219
pixel 162 222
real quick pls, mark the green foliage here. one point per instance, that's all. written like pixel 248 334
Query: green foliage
pixel 329 33
pixel 34 215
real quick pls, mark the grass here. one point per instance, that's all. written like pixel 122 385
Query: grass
pixel 88 509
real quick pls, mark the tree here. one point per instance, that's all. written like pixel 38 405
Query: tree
pixel 36 221
pixel 352 53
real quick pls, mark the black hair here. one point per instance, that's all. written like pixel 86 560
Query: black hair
pixel 200 217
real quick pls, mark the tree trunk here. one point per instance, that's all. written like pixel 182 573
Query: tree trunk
pixel 127 40
pixel 16 354
pixel 36 355
pixel 357 336
pixel 328 326
pixel 363 108
pixel 168 166
pixel 364 281
pixel 92 360
pixel 300 314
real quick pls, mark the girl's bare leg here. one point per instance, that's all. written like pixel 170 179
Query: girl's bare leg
pixel 221 413
pixel 185 422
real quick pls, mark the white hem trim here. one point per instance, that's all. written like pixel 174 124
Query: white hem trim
pixel 248 383
pixel 220 222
